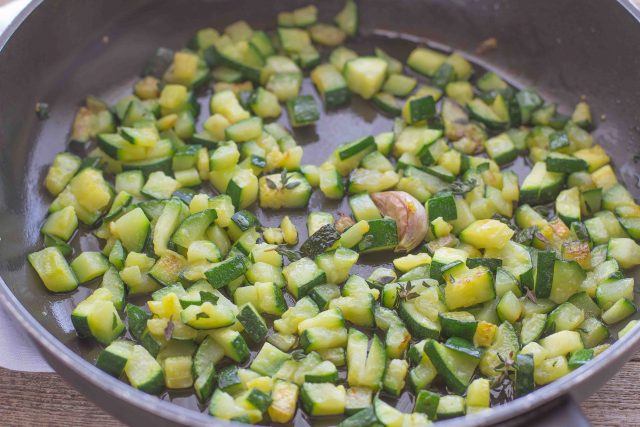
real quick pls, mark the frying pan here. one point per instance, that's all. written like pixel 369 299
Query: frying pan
pixel 58 51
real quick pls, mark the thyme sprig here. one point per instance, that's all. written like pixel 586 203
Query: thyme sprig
pixel 406 292
pixel 506 367
pixel 285 182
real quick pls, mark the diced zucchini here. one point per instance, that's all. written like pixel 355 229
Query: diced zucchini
pixel 64 167
pixel 532 327
pixel 347 18
pixel 595 157
pixel 418 323
pixel 301 17
pixel 223 406
pixel 327 35
pixel 562 343
pixel 551 369
pixel 505 343
pixel 89 265
pixel 234 346
pixel 359 310
pixel 425 61
pixel 348 156
pixel 223 273
pixel 114 357
pixel 524 379
pixel 325 372
pixel 143 371
pixel 331 183
pixel 331 85
pixel 387 103
pixel 268 360
pixel 472 287
pixel 567 278
pixel 302 276
pixel 558 162
pixel 509 308
pixel 284 401
pixel 365 75
pixel 337 264
pixel 363 207
pixel 625 251
pixel 359 399
pixel 486 114
pixel 88 193
pixel 501 149
pixel 487 234
pixel 460 91
pixel 323 399
pixel 302 110
pixel 207 316
pixel 53 269
pixel 253 323
pixel 619 311
pixel 455 367
pixel 384 236
pixel 394 378
pixel 244 130
pixel 399 85
pixel 275 194
pixel 540 186
pixel 371 181
pixel 97 317
pixel 193 228
pixel 418 108
pixel 450 406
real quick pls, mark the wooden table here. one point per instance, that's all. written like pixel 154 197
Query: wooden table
pixel 30 399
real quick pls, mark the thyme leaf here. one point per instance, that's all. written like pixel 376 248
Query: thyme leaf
pixel 316 244
pixel 406 293
pixel 272 185
pixel 503 219
pixel 291 185
pixel 529 294
pixel 463 186
pixel 168 331
pixel 298 355
pixel 291 254
pixel 525 236
pixel 505 368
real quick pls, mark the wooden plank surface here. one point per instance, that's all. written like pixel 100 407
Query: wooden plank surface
pixel 31 399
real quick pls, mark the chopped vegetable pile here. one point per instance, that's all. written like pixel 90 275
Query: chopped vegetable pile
pixel 498 285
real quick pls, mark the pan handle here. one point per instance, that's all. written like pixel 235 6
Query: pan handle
pixel 565 413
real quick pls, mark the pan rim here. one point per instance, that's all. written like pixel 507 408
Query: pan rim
pixel 619 351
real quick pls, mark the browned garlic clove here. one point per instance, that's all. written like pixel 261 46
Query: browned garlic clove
pixel 409 214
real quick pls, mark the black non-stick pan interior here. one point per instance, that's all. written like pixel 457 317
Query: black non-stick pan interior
pixel 66 50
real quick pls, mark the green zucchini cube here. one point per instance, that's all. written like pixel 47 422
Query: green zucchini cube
pixel 303 110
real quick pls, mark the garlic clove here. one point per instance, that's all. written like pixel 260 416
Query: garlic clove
pixel 409 214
